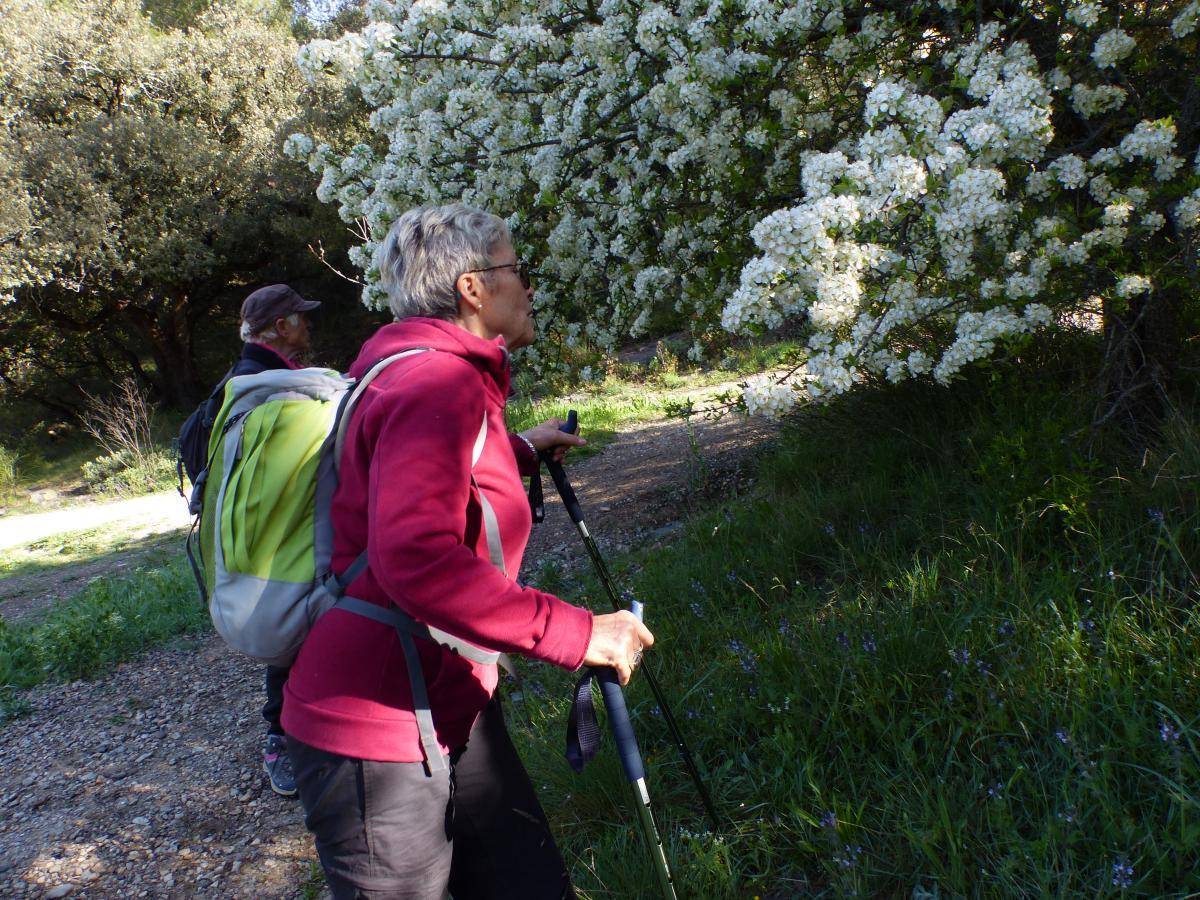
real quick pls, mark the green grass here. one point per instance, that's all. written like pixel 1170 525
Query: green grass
pixel 600 416
pixel 945 620
pixel 110 621
pixel 69 461
pixel 90 546
pixel 639 393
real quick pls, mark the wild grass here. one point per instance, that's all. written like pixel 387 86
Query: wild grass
pixel 8 469
pixel 109 621
pixel 600 415
pixel 94 545
pixel 951 647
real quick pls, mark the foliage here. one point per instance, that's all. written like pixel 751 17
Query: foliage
pixel 8 469
pixel 960 659
pixel 111 620
pixel 913 184
pixel 124 473
pixel 121 423
pixel 143 186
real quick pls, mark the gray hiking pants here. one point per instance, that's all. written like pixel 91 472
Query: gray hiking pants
pixel 391 830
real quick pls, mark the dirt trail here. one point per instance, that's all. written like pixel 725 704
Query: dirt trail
pixel 164 511
pixel 146 783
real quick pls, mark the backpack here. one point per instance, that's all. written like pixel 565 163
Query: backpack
pixel 264 531
pixel 191 447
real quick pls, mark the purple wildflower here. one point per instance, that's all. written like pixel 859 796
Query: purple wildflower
pixel 1156 515
pixel 732 576
pixel 746 657
pixel 868 643
pixel 829 819
pixel 829 529
pixel 848 857
pixel 949 696
pixel 1062 735
pixel 1167 732
pixel 961 655
pixel 1122 874
pixel 697 610
pixel 1006 629
pixel 996 791
pixel 698 587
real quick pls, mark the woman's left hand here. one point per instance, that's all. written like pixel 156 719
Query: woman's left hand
pixel 547 437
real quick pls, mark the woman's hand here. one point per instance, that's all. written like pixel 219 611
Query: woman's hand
pixel 617 642
pixel 547 437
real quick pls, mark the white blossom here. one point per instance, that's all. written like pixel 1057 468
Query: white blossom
pixel 1085 14
pixel 1070 170
pixel 1185 23
pixel 1112 47
pixel 1093 101
pixel 1187 211
pixel 1132 285
pixel 640 155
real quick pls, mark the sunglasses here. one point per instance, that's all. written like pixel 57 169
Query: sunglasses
pixel 520 267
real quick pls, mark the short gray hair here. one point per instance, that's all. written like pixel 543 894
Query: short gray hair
pixel 427 248
pixel 267 334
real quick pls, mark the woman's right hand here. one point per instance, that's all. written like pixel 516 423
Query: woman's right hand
pixel 616 637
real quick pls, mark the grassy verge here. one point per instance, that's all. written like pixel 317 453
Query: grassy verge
pixel 110 621
pixel 96 545
pixel 949 649
pixel 600 416
pixel 638 393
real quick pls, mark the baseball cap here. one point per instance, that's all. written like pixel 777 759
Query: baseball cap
pixel 274 301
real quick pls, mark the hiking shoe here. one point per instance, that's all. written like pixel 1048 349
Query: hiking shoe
pixel 278 766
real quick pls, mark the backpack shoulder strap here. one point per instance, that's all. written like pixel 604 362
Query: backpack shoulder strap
pixel 355 395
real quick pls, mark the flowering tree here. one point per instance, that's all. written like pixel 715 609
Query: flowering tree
pixel 911 183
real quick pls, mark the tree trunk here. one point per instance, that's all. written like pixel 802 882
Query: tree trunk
pixel 1142 355
pixel 168 335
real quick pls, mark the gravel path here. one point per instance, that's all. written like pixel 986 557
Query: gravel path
pixel 147 782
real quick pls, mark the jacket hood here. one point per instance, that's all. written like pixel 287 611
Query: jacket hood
pixel 490 357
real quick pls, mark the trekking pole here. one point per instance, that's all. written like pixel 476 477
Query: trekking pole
pixel 575 511
pixel 635 770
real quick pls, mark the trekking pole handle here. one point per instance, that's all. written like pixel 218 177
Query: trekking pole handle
pixel 559 477
pixel 618 716
pixel 618 721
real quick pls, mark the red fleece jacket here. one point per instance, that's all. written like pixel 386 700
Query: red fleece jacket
pixel 405 493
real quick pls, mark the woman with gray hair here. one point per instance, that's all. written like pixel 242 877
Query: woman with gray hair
pixel 430 487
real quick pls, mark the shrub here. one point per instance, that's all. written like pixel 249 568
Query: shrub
pixel 123 473
pixel 8 469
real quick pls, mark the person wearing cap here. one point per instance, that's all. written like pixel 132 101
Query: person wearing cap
pixel 275 332
pixel 275 328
